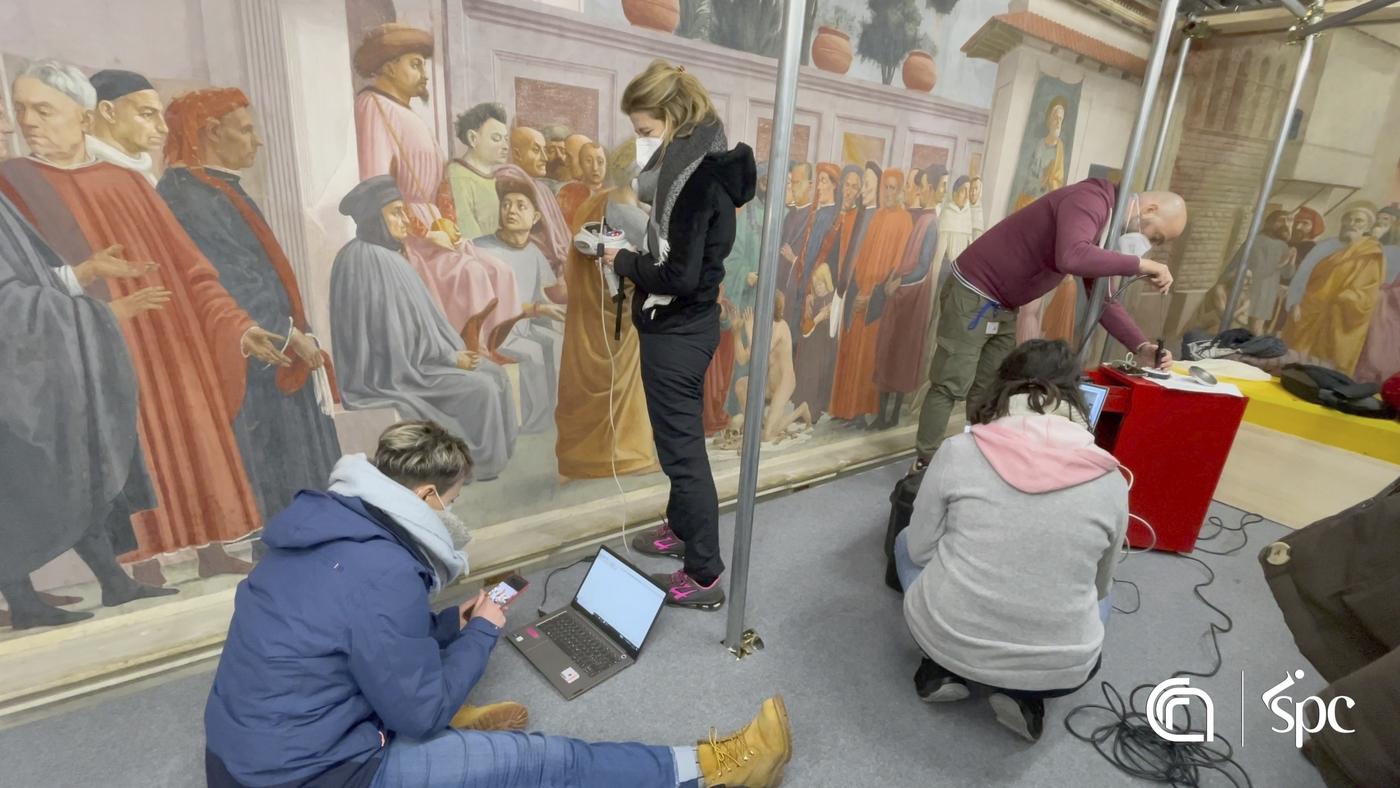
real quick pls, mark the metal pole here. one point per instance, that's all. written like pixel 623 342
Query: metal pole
pixel 739 641
pixel 1341 18
pixel 1160 149
pixel 1166 23
pixel 1267 187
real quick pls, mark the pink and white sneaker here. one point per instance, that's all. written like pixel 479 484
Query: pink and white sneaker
pixel 660 541
pixel 682 591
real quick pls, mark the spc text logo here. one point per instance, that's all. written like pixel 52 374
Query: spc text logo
pixel 1177 693
pixel 1293 720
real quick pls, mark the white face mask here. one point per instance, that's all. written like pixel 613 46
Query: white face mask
pixel 1135 244
pixel 646 149
pixel 1132 241
pixel 456 527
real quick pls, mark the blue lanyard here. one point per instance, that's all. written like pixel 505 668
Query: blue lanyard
pixel 987 306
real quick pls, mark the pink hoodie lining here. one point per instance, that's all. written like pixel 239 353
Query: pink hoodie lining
pixel 1038 454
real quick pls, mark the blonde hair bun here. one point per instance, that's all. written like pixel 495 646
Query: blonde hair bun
pixel 670 93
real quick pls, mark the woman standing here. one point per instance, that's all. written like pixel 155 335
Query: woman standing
pixel 694 184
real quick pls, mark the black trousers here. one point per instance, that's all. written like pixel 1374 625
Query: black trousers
pixel 673 376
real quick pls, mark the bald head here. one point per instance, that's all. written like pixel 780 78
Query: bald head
pixel 572 145
pixel 1163 216
pixel 527 150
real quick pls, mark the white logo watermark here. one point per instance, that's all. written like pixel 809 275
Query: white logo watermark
pixel 1177 693
pixel 1293 720
pixel 1171 695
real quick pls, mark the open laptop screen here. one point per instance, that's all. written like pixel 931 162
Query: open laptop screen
pixel 1094 398
pixel 620 597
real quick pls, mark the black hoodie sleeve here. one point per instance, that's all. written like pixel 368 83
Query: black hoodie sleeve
pixel 692 221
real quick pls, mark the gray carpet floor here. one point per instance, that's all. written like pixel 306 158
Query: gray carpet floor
pixel 836 648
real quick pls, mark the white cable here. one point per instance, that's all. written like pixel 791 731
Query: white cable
pixel 612 386
pixel 1127 551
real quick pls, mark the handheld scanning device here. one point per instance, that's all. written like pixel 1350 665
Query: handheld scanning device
pixel 593 239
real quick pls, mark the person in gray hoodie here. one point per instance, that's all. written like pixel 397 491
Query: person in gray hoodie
pixel 1009 555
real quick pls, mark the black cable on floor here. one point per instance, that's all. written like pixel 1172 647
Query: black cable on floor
pixel 1118 609
pixel 544 601
pixel 1246 520
pixel 1127 740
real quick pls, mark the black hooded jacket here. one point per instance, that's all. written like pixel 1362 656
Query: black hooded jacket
pixel 701 233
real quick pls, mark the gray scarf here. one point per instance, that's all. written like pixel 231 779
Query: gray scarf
pixel 661 182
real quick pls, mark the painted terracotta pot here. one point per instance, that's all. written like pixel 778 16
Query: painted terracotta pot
pixel 661 15
pixel 831 50
pixel 919 72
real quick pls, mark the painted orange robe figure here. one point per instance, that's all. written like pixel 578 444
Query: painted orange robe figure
pixel 854 393
pixel 585 444
pixel 189 366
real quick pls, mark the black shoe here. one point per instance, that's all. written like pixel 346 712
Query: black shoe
pixel 29 618
pixel 1025 717
pixel 936 685
pixel 892 576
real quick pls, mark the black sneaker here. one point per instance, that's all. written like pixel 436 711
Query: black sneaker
pixel 660 541
pixel 1024 716
pixel 936 685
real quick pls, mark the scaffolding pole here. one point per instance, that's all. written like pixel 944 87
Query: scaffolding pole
pixel 739 640
pixel 1159 150
pixel 1267 187
pixel 1166 23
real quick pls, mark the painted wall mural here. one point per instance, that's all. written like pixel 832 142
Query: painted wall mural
pixel 226 261
pixel 197 369
pixel 1042 166
pixel 1324 273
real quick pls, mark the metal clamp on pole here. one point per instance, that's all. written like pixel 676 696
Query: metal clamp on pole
pixel 1166 23
pixel 738 640
pixel 1267 187
pixel 1313 23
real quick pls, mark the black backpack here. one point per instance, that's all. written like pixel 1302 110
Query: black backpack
pixel 1332 389
pixel 901 509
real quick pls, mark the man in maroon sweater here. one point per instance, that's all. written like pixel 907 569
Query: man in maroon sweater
pixel 1021 259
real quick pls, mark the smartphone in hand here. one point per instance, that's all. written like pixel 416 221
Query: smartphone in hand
pixel 506 590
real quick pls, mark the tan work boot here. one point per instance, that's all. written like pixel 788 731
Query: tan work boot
pixel 755 756
pixel 506 716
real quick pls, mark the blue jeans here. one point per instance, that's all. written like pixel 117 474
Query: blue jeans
pixel 478 759
pixel 909 572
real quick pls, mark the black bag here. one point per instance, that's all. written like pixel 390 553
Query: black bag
pixel 901 509
pixel 1332 389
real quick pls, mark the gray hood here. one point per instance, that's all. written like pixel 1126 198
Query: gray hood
pixel 355 476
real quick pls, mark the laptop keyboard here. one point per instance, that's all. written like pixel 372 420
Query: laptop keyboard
pixel 589 652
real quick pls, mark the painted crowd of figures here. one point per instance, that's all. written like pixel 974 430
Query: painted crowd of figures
pixel 165 363
pixel 1335 301
pixel 160 361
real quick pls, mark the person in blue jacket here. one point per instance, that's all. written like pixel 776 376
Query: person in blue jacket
pixel 337 674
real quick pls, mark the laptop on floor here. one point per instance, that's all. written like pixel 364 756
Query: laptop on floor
pixel 600 633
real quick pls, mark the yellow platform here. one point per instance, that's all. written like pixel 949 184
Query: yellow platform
pixel 1272 407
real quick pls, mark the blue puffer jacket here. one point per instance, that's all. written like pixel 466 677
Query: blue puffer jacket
pixel 333 650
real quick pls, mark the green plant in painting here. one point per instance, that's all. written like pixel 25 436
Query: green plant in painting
pixel 890 33
pixel 757 26
pixel 697 19
pixel 841 19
